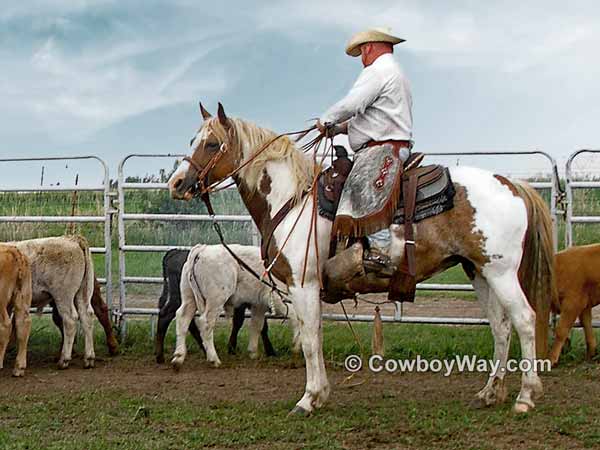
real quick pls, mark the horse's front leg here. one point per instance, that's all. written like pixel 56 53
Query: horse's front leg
pixel 308 310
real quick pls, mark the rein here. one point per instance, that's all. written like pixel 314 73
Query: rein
pixel 217 227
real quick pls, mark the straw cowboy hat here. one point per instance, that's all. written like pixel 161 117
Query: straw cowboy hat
pixel 370 35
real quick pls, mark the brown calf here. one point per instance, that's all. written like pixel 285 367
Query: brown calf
pixel 578 282
pixel 15 296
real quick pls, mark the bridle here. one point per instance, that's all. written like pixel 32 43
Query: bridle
pixel 203 172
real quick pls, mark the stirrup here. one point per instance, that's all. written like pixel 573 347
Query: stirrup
pixel 375 261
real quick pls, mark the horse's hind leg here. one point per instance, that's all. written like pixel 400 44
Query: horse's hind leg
pixel 590 338
pixel 510 295
pixel 184 315
pixel 494 392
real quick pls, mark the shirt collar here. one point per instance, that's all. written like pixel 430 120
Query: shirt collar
pixel 383 58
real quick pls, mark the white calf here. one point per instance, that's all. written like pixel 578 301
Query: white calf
pixel 212 280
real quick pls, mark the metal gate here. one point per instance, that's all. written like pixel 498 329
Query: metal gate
pixel 570 187
pixel 103 219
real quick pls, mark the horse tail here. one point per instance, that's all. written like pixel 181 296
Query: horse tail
pixel 536 272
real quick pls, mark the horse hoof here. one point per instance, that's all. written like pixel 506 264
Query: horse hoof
pixel 216 363
pixel 89 363
pixel 522 408
pixel 18 372
pixel 478 403
pixel 160 359
pixel 62 364
pixel 253 355
pixel 177 364
pixel 299 411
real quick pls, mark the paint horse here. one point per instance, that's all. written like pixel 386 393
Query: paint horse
pixel 500 231
pixel 578 282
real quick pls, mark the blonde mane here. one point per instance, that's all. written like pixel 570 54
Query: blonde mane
pixel 251 138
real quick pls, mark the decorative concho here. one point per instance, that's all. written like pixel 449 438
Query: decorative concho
pixel 383 172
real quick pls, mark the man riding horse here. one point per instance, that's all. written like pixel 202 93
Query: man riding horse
pixel 377 117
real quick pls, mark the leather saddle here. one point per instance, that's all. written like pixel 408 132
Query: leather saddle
pixel 425 191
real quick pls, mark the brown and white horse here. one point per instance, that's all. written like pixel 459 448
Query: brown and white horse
pixel 495 229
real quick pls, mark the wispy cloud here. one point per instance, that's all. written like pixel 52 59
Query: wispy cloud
pixel 523 71
pixel 508 36
pixel 73 85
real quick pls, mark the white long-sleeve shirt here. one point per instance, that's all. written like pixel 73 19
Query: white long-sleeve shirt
pixel 379 105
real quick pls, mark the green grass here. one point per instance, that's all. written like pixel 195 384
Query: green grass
pixel 110 416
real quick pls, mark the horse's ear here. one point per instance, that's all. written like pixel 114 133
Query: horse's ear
pixel 222 116
pixel 205 114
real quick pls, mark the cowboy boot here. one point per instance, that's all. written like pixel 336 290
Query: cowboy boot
pixel 356 270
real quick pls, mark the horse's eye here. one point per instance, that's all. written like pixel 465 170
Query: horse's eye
pixel 211 145
pixel 192 140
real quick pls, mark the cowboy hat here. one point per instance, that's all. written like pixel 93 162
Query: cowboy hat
pixel 370 35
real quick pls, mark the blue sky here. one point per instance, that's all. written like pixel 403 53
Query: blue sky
pixel 117 77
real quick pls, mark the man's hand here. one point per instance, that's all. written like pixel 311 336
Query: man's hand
pixel 322 128
pixel 330 130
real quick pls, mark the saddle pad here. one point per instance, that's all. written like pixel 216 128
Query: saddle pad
pixel 371 192
pixel 433 198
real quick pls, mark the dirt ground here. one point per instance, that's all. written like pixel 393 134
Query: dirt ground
pixel 424 306
pixel 259 381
